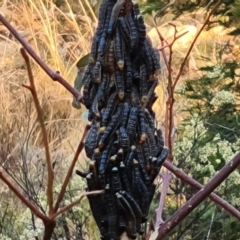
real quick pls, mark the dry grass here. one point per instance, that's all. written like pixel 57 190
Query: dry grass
pixel 60 38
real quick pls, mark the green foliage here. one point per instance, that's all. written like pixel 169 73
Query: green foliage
pixel 215 97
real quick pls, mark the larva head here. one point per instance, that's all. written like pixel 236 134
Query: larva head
pixel 120 64
pixel 143 137
pixel 121 95
pixel 144 99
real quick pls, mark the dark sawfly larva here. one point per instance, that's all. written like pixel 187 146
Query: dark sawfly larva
pixel 115 180
pixel 111 214
pixel 112 103
pixel 105 158
pixel 111 127
pixel 149 119
pixel 93 170
pixel 132 124
pixel 123 138
pixel 102 18
pixel 142 126
pixel 82 174
pixel 131 219
pixel 160 141
pixel 133 30
pixel 94 46
pixel 136 209
pixel 135 182
pixel 144 199
pixel 142 165
pixel 91 140
pixel 103 87
pixel 143 83
pixel 110 57
pixel 129 161
pixel 142 31
pixel 128 71
pixel 104 36
pixel 119 81
pixel 151 103
pixel 136 9
pixel 86 89
pixel 162 157
pixel 95 204
pixel 155 56
pixel 93 92
pixel 97 72
pixel 114 15
pixel 119 49
pixel 149 62
pixel 124 28
pixel 125 181
pixel 94 107
pixel 146 154
pixel 125 115
pixel 152 142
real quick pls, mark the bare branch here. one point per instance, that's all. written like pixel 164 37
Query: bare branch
pixel 218 200
pixel 66 208
pixel 32 88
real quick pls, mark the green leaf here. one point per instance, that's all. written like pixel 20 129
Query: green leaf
pixel 83 61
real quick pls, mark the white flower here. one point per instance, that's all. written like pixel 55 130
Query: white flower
pixel 223 97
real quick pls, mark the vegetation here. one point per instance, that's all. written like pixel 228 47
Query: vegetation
pixel 206 113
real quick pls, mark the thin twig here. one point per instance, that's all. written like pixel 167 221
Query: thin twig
pixel 70 170
pixel 54 75
pixel 64 209
pixel 33 91
pixel 14 189
pixel 193 43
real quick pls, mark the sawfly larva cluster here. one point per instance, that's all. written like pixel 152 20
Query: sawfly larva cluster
pixel 125 148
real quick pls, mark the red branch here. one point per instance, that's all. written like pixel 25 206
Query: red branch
pixel 169 118
pixel 201 195
pixel 194 41
pixel 33 91
pixel 221 202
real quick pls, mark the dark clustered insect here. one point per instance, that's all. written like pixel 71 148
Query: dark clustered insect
pixel 125 149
